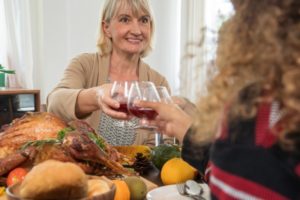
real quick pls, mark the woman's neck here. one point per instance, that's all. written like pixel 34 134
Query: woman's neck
pixel 123 67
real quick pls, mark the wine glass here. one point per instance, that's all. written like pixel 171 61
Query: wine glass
pixel 165 98
pixel 145 91
pixel 164 94
pixel 121 131
pixel 119 92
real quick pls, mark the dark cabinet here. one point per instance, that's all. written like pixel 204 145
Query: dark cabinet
pixel 15 103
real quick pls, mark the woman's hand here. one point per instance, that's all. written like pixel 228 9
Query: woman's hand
pixel 92 99
pixel 107 104
pixel 171 120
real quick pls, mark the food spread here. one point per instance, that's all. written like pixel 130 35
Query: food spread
pixel 37 137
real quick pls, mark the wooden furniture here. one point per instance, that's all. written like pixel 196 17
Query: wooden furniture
pixel 15 102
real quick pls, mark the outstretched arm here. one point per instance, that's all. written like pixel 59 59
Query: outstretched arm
pixel 95 98
pixel 171 119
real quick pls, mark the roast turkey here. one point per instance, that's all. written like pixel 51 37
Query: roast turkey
pixel 40 136
pixel 32 126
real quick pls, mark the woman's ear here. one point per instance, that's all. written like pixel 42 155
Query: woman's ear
pixel 105 27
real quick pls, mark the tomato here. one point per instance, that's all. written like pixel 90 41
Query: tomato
pixel 16 175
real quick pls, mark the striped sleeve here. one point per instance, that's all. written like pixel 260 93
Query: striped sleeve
pixel 195 153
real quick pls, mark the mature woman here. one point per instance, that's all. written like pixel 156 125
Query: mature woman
pixel 248 126
pixel 126 32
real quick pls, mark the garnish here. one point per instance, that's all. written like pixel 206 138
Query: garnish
pixel 98 140
pixel 38 143
pixel 62 133
pixel 60 136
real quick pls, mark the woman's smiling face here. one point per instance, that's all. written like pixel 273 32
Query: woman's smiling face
pixel 130 32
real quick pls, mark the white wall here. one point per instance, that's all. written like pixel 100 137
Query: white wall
pixel 165 57
pixel 69 27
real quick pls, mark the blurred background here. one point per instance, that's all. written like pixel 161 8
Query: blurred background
pixel 39 37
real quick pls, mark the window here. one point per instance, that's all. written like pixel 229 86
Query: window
pixel 207 16
pixel 216 12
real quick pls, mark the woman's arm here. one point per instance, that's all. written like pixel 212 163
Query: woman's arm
pixel 171 120
pixel 71 99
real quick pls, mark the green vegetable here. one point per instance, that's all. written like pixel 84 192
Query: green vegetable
pixel 163 153
pixel 62 133
pixel 59 140
pixel 38 143
pixel 98 140
pixel 60 136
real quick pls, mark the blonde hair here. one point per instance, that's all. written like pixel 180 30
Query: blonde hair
pixel 259 45
pixel 110 9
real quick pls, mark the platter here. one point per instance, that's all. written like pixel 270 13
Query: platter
pixel 169 192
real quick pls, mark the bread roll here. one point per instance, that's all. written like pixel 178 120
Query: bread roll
pixel 54 180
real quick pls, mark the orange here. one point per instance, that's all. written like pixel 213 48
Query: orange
pixel 122 190
pixel 176 171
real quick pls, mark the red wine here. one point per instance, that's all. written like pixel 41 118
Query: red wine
pixel 148 113
pixel 122 108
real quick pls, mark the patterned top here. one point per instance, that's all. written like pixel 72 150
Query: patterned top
pixel 117 132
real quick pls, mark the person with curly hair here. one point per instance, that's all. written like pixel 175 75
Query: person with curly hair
pixel 245 140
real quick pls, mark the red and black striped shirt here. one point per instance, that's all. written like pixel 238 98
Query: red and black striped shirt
pixel 245 161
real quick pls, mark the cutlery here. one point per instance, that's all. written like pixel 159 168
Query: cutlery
pixel 190 189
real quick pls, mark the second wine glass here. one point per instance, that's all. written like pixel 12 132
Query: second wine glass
pixel 145 91
pixel 165 98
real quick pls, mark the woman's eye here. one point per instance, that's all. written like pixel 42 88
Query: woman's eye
pixel 145 20
pixel 124 20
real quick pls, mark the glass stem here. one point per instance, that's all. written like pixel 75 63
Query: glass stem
pixel 175 141
pixel 158 139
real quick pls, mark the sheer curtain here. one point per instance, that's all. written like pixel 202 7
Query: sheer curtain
pixel 17 52
pixel 3 40
pixel 201 20
pixel 192 52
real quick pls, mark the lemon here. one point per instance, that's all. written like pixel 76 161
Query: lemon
pixel 164 152
pixel 176 171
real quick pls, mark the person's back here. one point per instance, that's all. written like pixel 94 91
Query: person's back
pixel 256 153
pixel 245 138
pixel 246 160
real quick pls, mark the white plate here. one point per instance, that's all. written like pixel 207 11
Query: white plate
pixel 169 192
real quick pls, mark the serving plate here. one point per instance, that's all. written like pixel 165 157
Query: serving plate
pixel 169 192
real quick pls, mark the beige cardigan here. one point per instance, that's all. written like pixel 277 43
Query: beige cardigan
pixel 89 70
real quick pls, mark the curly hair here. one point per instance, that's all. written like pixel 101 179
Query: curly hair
pixel 259 44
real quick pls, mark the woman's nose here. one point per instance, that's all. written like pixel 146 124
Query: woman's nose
pixel 136 29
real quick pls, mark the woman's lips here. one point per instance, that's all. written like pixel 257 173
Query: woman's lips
pixel 134 40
